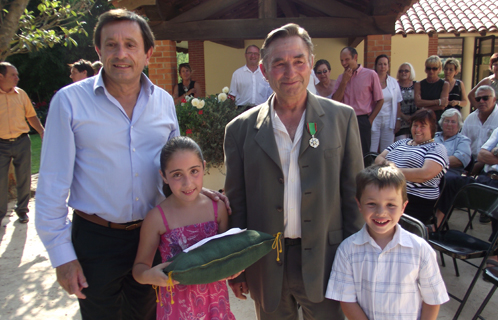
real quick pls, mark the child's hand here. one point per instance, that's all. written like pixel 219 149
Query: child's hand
pixel 156 276
pixel 233 276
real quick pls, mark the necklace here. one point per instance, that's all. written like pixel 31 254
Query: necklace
pixel 413 143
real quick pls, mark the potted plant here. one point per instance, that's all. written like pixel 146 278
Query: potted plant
pixel 204 120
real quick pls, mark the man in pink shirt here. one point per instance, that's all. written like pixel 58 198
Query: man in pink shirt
pixel 360 88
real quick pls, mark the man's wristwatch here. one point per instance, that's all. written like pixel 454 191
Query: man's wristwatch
pixel 495 152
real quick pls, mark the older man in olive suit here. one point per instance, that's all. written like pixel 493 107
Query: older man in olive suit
pixel 291 166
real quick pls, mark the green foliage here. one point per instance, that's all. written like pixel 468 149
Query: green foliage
pixel 206 125
pixel 45 71
pixel 53 22
pixel 36 143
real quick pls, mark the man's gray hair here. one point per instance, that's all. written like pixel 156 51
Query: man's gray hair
pixel 450 113
pixel 486 88
pixel 289 30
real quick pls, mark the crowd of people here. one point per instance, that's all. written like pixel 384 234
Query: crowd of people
pixel 294 165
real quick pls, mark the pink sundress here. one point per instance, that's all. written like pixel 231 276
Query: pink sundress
pixel 204 301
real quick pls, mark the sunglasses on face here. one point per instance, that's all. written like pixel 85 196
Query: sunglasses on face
pixel 404 71
pixel 485 98
pixel 322 72
pixel 431 68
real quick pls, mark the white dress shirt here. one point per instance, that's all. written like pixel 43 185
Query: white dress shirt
pixel 477 131
pixel 489 145
pixel 288 151
pixel 106 162
pixel 249 88
pixel 390 283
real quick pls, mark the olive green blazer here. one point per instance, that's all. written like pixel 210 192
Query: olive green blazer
pixel 255 187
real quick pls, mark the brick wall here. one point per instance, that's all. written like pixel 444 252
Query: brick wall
pixel 433 39
pixel 374 46
pixel 162 65
pixel 196 61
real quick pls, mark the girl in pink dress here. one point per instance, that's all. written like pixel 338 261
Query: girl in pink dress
pixel 183 219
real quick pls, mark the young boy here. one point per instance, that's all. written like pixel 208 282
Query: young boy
pixel 383 271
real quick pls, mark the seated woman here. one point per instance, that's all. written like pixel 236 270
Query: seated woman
pixel 326 85
pixel 432 92
pixel 422 161
pixel 457 145
pixel 457 97
pixel 406 77
pixel 187 87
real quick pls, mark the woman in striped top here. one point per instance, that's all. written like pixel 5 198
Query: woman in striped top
pixel 422 161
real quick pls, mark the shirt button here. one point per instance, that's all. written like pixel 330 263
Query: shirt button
pixel 136 199
pixel 132 127
pixel 136 174
pixel 133 149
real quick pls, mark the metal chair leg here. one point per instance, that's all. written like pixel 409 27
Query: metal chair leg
pixel 442 259
pixel 484 303
pixel 467 294
pixel 456 267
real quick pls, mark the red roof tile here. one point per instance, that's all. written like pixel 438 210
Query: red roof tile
pixel 449 16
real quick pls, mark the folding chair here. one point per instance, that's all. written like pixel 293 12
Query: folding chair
pixel 458 244
pixel 414 226
pixel 490 274
pixel 369 159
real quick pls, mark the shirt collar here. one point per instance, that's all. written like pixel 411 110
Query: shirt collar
pixel 358 70
pixel 246 68
pixel 146 85
pixel 13 90
pixel 400 237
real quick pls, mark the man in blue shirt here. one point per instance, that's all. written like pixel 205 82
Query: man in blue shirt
pixel 104 135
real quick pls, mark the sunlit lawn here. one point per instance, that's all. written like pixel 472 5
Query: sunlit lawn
pixel 35 153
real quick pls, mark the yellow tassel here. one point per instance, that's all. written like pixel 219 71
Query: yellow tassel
pixel 158 295
pixel 277 244
pixel 170 286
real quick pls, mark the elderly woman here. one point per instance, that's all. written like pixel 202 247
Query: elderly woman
pixel 457 145
pixel 432 92
pixel 457 98
pixel 422 161
pixel 406 77
pixel 492 80
pixel 326 85
pixel 388 120
pixel 187 87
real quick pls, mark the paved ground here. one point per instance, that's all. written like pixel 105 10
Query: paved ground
pixel 29 290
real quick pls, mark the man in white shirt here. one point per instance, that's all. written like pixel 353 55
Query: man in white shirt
pixel 248 85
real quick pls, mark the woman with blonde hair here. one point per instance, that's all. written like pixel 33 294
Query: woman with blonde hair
pixel 432 92
pixel 457 99
pixel 406 81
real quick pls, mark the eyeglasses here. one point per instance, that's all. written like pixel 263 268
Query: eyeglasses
pixel 404 71
pixel 320 72
pixel 485 98
pixel 253 53
pixel 431 68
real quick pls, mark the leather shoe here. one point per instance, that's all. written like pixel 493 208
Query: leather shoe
pixel 484 218
pixel 23 218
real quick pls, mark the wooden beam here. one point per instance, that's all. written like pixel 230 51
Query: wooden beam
pixel 353 42
pixel 267 9
pixel 204 10
pixel 236 44
pixel 289 8
pixel 258 28
pixel 333 8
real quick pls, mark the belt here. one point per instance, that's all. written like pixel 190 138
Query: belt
pixel 493 175
pixel 14 139
pixel 102 222
pixel 292 242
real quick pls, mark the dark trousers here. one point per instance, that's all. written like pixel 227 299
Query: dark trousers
pixel 106 256
pixel 365 133
pixel 294 294
pixel 420 208
pixel 20 152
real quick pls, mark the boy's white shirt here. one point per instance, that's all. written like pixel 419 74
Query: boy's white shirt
pixel 387 284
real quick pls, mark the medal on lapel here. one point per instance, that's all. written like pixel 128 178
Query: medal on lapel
pixel 314 143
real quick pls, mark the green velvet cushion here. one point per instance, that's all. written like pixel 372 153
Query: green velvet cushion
pixel 220 258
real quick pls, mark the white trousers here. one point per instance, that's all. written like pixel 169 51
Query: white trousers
pixel 382 137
